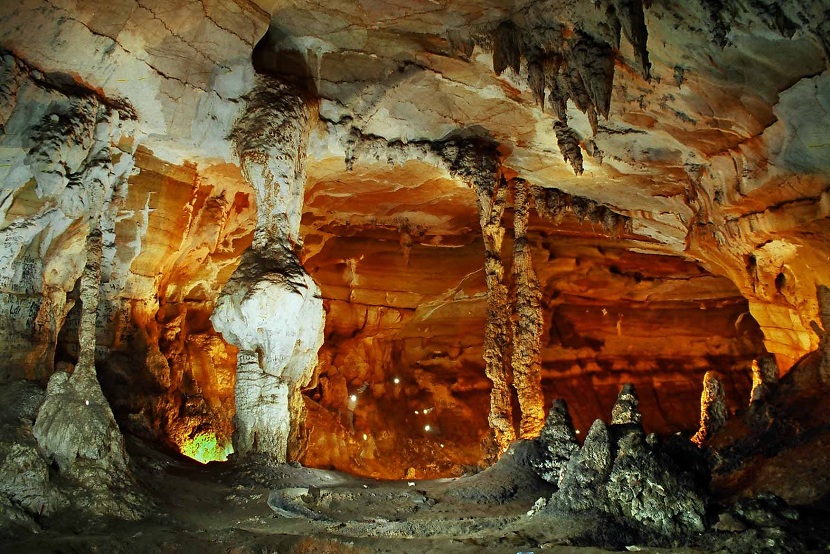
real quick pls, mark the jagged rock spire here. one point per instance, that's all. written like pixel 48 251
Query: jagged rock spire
pixel 557 443
pixel 626 409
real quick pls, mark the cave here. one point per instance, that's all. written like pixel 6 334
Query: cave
pixel 369 276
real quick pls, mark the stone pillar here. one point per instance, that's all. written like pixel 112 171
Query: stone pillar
pixel 527 321
pixel 713 410
pixel 491 202
pixel 271 308
pixel 75 426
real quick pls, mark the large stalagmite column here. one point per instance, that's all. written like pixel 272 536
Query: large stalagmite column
pixel 491 196
pixel 271 308
pixel 75 425
pixel 527 321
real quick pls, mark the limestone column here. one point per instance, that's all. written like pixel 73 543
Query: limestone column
pixel 527 321
pixel 271 308
pixel 713 409
pixel 75 425
pixel 491 202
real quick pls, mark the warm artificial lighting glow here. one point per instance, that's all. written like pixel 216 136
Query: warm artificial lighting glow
pixel 353 398
pixel 577 431
pixel 427 428
pixel 205 447
pixel 417 412
pixel 365 437
pixel 396 381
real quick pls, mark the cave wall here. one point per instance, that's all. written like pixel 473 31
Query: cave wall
pixel 408 302
pixel 702 126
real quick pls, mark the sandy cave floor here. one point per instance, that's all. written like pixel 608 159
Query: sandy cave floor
pixel 225 508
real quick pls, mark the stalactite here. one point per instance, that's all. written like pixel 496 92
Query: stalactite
pixel 713 410
pixel 551 203
pixel 527 321
pixel 571 82
pixel 568 142
pixel 508 47
pixel 558 98
pixel 536 81
pixel 583 208
pixel 632 20
pixel 594 60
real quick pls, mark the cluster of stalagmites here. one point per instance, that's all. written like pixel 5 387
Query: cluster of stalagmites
pixel 654 489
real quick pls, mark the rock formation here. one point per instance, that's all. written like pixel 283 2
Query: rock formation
pixel 713 409
pixel 527 321
pixel 271 308
pixel 191 156
pixel 634 480
pixel 557 443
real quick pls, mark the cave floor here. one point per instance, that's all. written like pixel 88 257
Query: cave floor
pixel 224 508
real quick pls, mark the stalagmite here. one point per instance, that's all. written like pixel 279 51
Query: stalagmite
pixel 479 168
pixel 557 443
pixel 764 378
pixel 713 410
pixel 271 308
pixel 527 321
pixel 626 409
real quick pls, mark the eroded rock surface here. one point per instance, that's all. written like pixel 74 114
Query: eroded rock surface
pixel 675 152
pixel 632 479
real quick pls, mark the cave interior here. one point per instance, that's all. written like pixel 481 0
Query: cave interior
pixel 379 276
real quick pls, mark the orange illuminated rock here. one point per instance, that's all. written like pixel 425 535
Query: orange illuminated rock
pixel 676 154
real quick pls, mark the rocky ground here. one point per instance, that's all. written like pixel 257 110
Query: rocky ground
pixel 620 490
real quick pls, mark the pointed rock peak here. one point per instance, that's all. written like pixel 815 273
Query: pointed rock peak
pixel 596 452
pixel 558 415
pixel 557 443
pixel 626 409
